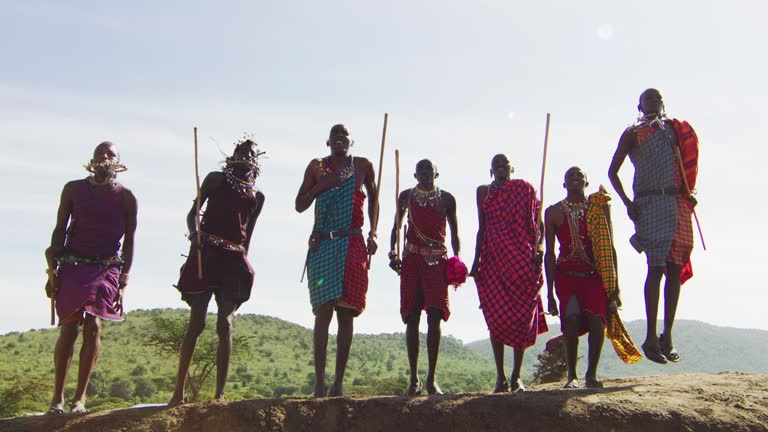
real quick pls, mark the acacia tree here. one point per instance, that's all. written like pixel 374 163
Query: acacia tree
pixel 166 335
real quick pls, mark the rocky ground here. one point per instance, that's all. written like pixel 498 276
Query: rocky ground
pixel 730 402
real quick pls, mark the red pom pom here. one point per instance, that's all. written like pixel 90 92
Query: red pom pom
pixel 455 272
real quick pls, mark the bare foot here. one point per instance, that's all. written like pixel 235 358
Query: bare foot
pixel 502 386
pixel 77 407
pixel 572 383
pixel 319 390
pixel 592 382
pixel 336 390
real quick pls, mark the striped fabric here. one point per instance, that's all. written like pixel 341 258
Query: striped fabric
pixel 422 285
pixel 97 224
pixel 337 269
pixel 508 286
pixel 602 249
pixel 656 167
pixel 689 150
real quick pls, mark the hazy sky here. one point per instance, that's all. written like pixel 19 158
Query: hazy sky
pixel 462 81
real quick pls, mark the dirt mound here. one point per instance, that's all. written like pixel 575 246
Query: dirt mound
pixel 729 402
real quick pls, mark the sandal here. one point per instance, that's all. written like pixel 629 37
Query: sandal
pixel 415 389
pixel 77 408
pixel 433 389
pixel 54 410
pixel 653 353
pixel 668 351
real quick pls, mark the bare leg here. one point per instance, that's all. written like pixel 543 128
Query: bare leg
pixel 224 350
pixel 596 338
pixel 322 321
pixel 345 318
pixel 652 284
pixel 412 344
pixel 62 359
pixel 671 296
pixel 434 316
pixel 498 357
pixel 196 325
pixel 571 333
pixel 89 353
pixel 515 383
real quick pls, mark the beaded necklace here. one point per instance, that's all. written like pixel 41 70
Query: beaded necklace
pixel 651 120
pixel 427 198
pixel 236 183
pixel 574 211
pixel 109 181
pixel 327 169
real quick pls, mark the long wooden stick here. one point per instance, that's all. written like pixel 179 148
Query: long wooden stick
pixel 197 217
pixel 543 170
pixel 397 199
pixel 375 221
pixel 688 194
pixel 51 281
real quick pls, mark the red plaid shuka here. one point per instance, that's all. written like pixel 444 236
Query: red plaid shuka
pixel 508 285
pixel 422 279
pixel 356 266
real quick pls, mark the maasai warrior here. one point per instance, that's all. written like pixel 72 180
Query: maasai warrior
pixel 337 257
pixel 507 267
pixel 423 284
pixel 583 301
pixel 234 204
pixel 661 209
pixel 89 277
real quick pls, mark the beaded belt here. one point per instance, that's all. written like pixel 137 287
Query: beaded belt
pixel 669 190
pixel 337 234
pixel 222 243
pixel 412 248
pixel 90 260
pixel 578 274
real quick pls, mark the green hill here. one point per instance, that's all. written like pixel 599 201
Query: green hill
pixel 279 363
pixel 704 348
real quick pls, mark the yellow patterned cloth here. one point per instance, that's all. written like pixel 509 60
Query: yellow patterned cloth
pixel 601 235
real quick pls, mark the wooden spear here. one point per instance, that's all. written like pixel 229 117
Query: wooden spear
pixel 375 221
pixel 688 194
pixel 397 200
pixel 543 170
pixel 197 217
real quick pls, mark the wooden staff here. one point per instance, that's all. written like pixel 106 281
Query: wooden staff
pixel 197 217
pixel 375 221
pixel 397 199
pixel 51 280
pixel 688 194
pixel 543 170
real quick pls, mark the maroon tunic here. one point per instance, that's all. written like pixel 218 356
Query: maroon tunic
pixel 96 225
pixel 226 270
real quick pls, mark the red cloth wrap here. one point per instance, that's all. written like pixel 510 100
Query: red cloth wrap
pixel 588 290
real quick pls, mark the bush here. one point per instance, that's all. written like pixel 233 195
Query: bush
pixel 122 388
pixel 144 388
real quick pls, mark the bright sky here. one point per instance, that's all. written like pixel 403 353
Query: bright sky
pixel 462 81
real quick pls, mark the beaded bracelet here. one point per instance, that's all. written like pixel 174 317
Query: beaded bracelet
pixel 123 279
